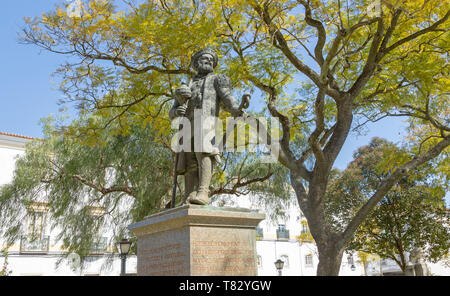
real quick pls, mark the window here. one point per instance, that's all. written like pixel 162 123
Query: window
pixel 309 260
pixel 305 235
pixel 100 243
pixel 259 261
pixel 36 220
pixel 285 259
pixel 259 232
pixel 282 232
pixel 99 246
pixel 34 239
pixel 304 228
pixel 36 224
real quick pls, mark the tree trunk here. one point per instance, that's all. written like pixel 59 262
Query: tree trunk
pixel 330 257
pixel 329 244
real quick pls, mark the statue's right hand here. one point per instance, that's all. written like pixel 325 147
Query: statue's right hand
pixel 181 110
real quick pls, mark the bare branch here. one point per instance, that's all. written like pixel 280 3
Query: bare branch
pixel 281 43
pixel 321 33
pixel 370 64
pixel 320 126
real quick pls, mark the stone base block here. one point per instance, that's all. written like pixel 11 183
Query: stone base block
pixel 198 240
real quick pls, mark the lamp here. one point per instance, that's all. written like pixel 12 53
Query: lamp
pixel 124 248
pixel 279 265
pixel 350 262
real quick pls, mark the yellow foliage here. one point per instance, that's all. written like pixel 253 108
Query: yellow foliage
pixel 117 46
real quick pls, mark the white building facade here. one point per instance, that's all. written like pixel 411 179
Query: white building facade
pixel 40 257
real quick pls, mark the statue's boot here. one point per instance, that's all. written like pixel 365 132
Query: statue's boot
pixel 188 196
pixel 205 171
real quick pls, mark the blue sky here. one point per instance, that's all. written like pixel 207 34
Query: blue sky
pixel 29 94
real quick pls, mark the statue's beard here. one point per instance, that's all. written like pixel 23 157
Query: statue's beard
pixel 204 68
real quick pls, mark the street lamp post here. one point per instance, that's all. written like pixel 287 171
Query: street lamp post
pixel 124 248
pixel 279 265
pixel 351 262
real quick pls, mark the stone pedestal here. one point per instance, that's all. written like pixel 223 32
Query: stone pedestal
pixel 409 271
pixel 197 240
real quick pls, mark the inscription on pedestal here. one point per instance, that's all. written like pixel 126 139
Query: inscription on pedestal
pixel 165 260
pixel 222 257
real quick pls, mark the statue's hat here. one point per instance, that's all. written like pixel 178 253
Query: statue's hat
pixel 199 53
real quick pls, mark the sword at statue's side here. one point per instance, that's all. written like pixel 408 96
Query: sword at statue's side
pixel 182 96
pixel 175 176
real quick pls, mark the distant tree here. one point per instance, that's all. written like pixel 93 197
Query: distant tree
pixel 412 215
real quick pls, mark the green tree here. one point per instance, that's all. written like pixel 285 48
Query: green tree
pixel 352 65
pixel 412 215
pixel 73 178
pixel 5 271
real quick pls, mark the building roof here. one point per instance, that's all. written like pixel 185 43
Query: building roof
pixel 14 141
pixel 17 136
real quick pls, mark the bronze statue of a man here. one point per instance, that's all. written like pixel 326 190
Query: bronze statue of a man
pixel 205 93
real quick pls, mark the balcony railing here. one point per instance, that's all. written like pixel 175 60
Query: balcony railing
pixel 282 234
pixel 99 246
pixel 38 245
